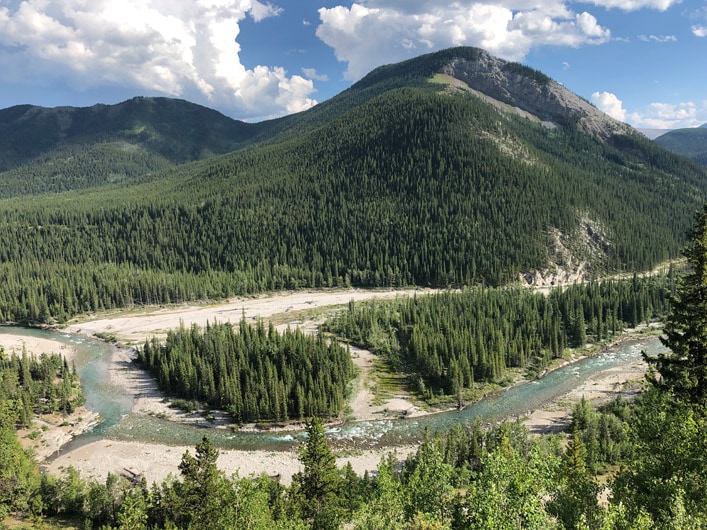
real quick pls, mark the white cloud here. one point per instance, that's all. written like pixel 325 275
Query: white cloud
pixel 670 116
pixel 658 38
pixel 260 11
pixel 369 34
pixel 610 104
pixel 656 115
pixel 181 47
pixel 633 5
pixel 311 73
pixel 190 48
pixel 699 31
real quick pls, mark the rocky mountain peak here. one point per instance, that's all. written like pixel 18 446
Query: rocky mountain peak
pixel 531 91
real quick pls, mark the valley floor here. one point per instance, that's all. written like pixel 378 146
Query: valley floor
pixel 306 309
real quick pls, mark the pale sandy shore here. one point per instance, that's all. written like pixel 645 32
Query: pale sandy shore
pixel 284 308
pixel 15 343
pixel 155 461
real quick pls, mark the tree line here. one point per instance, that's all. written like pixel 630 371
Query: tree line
pixel 29 386
pixel 471 477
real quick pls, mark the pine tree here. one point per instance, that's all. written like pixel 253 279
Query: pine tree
pixel 318 482
pixel 576 497
pixel 205 492
pixel 683 371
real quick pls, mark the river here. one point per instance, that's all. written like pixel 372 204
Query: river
pixel 119 423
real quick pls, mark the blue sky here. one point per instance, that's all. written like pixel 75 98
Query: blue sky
pixel 642 61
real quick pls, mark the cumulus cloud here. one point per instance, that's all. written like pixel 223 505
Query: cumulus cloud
pixel 368 34
pixel 261 11
pixel 180 48
pixel 190 48
pixel 699 31
pixel 670 116
pixel 655 115
pixel 610 104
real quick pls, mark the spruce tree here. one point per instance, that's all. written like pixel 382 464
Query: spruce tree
pixel 319 481
pixel 683 371
pixel 205 494
pixel 575 500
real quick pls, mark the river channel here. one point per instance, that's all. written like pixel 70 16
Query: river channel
pixel 119 423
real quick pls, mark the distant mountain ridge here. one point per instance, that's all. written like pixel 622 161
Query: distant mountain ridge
pixel 691 142
pixel 48 150
pixel 54 149
pixel 154 120
pixel 652 134
pixel 512 84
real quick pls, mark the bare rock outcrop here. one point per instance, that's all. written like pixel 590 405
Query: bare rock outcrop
pixel 574 258
pixel 533 92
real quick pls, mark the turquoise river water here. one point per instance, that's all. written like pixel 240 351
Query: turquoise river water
pixel 118 423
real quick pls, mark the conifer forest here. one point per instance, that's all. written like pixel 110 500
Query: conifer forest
pixel 545 234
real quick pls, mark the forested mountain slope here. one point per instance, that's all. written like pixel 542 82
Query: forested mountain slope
pixel 690 142
pixel 509 84
pixel 427 184
pixel 46 150
pixel 49 150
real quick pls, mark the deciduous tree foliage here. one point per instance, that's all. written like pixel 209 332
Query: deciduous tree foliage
pixel 471 477
pixel 18 475
pixel 665 471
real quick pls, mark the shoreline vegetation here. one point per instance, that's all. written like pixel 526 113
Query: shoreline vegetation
pixel 305 309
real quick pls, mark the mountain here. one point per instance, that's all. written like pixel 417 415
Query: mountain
pixel 466 69
pixel 691 142
pixel 652 134
pixel 452 169
pixel 49 150
pixel 46 150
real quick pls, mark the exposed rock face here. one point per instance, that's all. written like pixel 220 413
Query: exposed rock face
pixel 577 257
pixel 532 92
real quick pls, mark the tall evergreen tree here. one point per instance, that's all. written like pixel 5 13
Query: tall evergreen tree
pixel 683 371
pixel 318 482
pixel 575 500
pixel 204 490
pixel 18 475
